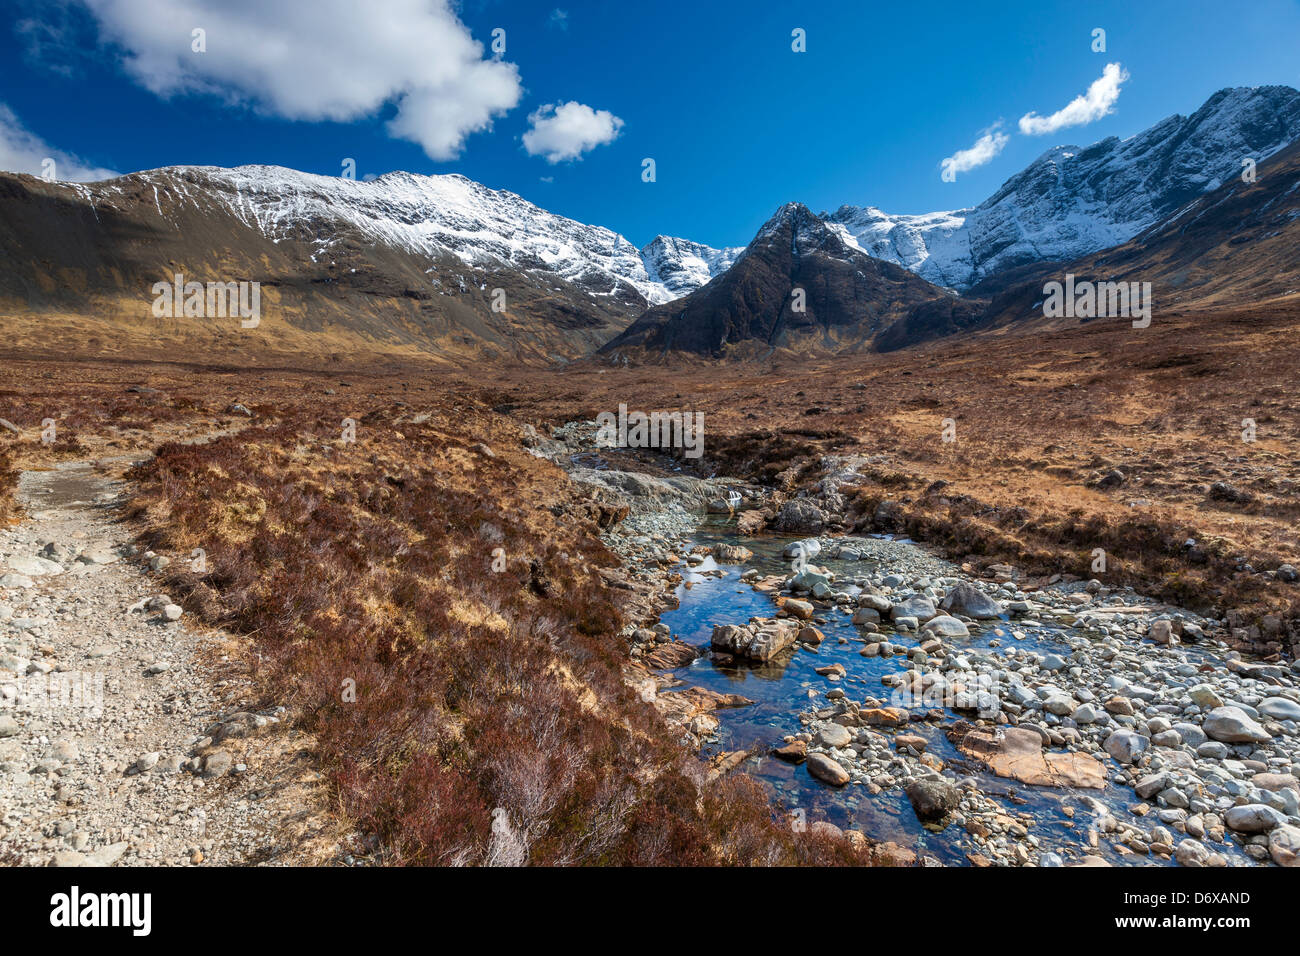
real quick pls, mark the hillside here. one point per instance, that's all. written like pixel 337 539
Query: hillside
pixel 1073 201
pixel 1233 246
pixel 402 264
pixel 753 309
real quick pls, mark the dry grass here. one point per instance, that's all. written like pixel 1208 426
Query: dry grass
pixel 438 691
pixel 371 562
pixel 8 486
pixel 1039 419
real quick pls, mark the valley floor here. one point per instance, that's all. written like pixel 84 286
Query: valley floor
pixel 399 530
pixel 1175 451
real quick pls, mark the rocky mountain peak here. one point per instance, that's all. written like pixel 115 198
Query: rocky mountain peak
pixel 1073 201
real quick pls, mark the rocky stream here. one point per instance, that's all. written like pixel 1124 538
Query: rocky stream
pixel 882 691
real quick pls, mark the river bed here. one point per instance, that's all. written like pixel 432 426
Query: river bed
pixel 1149 741
pixel 1057 819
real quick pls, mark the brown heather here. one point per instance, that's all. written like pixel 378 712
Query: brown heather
pixel 475 690
pixel 1040 418
pixel 8 485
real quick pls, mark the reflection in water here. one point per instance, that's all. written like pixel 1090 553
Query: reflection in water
pixel 785 686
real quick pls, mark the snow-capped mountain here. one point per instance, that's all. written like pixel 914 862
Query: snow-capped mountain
pixel 447 267
pixel 1237 245
pixel 433 263
pixel 483 227
pixel 803 285
pixel 681 266
pixel 1071 201
pixel 934 245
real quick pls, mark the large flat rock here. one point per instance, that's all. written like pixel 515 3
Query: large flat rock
pixel 1018 753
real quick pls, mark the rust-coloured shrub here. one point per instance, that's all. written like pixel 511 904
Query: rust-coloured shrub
pixel 8 486
pixel 444 694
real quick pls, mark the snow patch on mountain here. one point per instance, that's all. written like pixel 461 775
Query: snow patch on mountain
pixel 1072 201
pixel 682 266
pixel 449 214
pixel 934 245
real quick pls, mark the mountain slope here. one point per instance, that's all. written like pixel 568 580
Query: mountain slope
pixel 404 261
pixel 682 266
pixel 1071 202
pixel 752 309
pixel 1237 245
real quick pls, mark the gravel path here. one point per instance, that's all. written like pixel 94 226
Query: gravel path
pixel 121 739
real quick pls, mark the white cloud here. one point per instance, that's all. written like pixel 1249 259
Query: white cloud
pixel 22 151
pixel 321 60
pixel 990 143
pixel 568 131
pixel 1093 105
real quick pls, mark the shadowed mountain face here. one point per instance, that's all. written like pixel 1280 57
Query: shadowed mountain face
pixel 401 263
pixel 799 286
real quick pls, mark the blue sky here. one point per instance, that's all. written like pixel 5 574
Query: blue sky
pixel 736 121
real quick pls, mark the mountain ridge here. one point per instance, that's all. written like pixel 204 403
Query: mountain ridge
pixel 447 267
pixel 1073 201
pixel 800 285
pixel 400 262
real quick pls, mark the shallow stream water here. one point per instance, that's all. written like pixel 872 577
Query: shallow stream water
pixel 788 685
